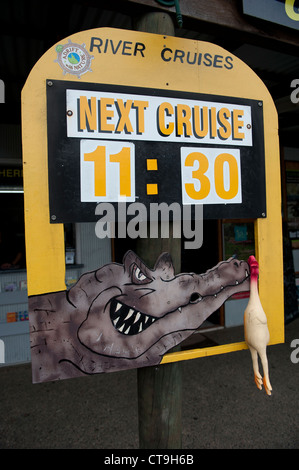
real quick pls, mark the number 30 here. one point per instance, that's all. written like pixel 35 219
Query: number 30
pixel 213 180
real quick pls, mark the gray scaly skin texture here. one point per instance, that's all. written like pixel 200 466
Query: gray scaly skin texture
pixel 125 316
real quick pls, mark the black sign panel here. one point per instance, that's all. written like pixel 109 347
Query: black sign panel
pixel 109 143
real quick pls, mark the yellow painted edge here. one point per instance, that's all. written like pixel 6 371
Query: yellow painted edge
pixel 203 352
pixel 268 231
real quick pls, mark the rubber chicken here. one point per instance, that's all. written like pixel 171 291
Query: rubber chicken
pixel 256 330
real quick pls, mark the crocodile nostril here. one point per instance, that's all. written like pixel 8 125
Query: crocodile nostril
pixel 195 297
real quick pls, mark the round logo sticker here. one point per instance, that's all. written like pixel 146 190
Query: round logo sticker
pixel 73 58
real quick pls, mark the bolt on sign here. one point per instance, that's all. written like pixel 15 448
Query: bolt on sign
pixel 110 115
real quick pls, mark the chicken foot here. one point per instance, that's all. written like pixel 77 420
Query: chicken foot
pixel 259 380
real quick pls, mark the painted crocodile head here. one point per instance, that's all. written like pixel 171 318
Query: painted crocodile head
pixel 148 311
pixel 124 315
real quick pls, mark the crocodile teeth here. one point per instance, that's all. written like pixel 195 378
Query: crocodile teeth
pixel 127 320
pixel 137 317
pixel 131 312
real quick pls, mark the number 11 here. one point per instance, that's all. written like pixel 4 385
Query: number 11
pixel 111 181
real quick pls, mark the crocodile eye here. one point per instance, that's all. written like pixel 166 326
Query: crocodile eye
pixel 138 277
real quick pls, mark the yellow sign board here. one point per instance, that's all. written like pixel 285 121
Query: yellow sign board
pixel 97 69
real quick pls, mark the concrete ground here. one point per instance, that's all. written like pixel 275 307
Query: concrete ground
pixel 222 408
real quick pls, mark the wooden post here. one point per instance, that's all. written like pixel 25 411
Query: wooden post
pixel 156 22
pixel 160 406
pixel 159 387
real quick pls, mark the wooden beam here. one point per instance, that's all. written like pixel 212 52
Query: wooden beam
pixel 228 14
